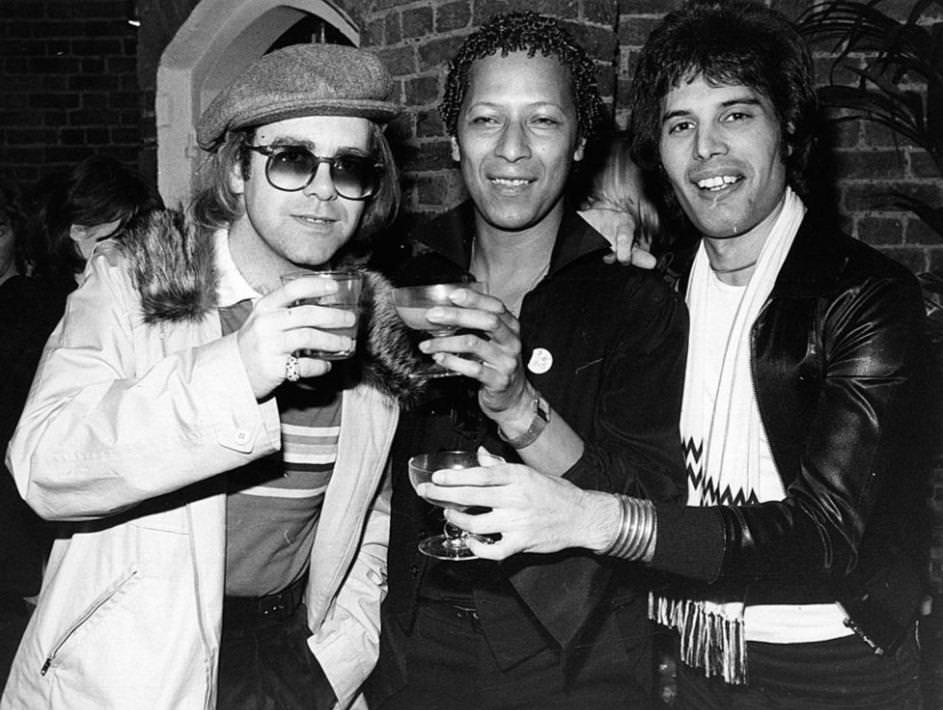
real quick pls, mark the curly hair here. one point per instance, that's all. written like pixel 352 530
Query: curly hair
pixel 728 42
pixel 530 32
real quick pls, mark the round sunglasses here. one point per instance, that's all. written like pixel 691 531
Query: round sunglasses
pixel 292 167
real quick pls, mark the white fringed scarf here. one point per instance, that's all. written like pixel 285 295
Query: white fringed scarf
pixel 711 630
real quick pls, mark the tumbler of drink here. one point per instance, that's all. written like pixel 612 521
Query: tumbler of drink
pixel 451 545
pixel 346 298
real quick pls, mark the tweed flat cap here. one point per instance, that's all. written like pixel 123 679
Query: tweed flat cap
pixel 300 80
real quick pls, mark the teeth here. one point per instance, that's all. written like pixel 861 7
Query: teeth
pixel 510 182
pixel 716 183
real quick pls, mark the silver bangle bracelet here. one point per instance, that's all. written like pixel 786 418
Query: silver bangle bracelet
pixel 635 539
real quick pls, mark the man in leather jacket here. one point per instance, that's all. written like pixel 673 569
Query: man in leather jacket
pixel 795 565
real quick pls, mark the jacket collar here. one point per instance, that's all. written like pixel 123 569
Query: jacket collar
pixel 812 266
pixel 451 236
pixel 814 262
pixel 173 267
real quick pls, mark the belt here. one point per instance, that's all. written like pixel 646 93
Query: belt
pixel 280 605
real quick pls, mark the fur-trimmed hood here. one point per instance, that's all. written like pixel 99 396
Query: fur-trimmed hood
pixel 173 267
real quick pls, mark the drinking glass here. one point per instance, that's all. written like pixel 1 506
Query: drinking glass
pixel 412 302
pixel 346 298
pixel 451 544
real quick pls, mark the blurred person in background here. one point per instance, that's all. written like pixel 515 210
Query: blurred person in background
pixel 617 202
pixel 72 211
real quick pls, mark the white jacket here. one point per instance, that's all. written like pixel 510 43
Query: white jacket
pixel 131 418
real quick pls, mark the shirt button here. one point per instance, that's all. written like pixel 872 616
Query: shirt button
pixel 242 436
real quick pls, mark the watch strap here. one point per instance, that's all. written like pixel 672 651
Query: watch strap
pixel 538 423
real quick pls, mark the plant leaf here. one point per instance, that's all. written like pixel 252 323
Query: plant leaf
pixel 931 216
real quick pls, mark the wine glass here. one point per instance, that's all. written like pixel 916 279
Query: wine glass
pixel 451 544
pixel 412 302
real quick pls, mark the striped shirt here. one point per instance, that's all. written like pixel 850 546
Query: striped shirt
pixel 274 504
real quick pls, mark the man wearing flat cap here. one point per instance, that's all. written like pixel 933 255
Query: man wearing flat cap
pixel 219 480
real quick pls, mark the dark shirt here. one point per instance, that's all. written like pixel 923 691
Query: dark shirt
pixel 614 338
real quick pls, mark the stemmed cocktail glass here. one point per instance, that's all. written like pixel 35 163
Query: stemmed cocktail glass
pixel 451 545
pixel 412 302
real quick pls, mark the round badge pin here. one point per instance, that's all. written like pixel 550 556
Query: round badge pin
pixel 540 361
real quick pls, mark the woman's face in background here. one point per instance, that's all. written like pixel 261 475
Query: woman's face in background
pixel 86 237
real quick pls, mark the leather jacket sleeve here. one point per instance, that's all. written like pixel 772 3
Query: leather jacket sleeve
pixel 836 418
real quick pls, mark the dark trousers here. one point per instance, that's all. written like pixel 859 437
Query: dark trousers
pixel 265 664
pixel 449 666
pixel 829 675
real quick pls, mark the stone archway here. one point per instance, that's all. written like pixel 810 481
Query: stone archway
pixel 217 41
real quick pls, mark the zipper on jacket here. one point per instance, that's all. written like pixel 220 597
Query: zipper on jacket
pixel 89 612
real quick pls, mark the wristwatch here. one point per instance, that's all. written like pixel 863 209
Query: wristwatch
pixel 537 425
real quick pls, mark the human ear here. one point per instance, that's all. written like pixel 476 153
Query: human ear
pixel 789 137
pixel 237 180
pixel 580 150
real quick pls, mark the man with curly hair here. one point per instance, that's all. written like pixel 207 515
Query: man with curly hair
pixel 570 364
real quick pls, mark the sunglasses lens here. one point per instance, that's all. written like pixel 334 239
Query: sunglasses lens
pixel 290 168
pixel 355 177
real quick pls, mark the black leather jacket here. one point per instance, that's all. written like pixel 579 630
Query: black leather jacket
pixel 838 360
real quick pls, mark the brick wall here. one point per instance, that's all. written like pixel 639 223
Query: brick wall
pixel 69 84
pixel 78 78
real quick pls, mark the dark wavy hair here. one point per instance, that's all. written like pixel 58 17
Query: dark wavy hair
pixel 728 42
pixel 97 190
pixel 533 33
pixel 216 206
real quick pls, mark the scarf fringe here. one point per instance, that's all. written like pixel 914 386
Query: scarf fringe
pixel 708 640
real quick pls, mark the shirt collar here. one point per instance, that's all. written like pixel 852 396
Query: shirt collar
pixel 232 286
pixel 451 236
